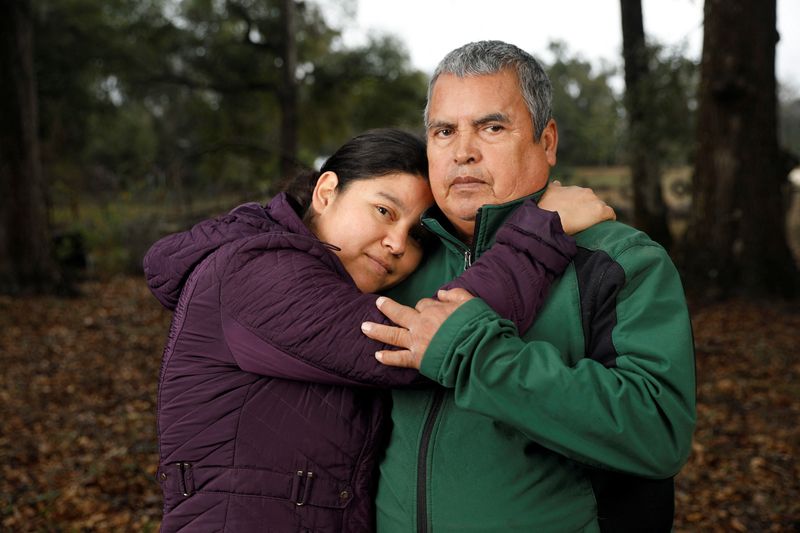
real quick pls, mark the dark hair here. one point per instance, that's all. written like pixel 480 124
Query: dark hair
pixel 372 154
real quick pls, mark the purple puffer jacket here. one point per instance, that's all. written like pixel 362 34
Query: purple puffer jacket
pixel 270 413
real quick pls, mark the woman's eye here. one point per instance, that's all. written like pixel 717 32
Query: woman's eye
pixel 382 210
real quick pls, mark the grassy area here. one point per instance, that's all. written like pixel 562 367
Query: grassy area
pixel 117 232
pixel 618 177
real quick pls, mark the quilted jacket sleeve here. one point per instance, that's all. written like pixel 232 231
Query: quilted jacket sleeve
pixel 287 313
pixel 169 261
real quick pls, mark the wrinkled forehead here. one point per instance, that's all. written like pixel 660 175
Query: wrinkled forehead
pixel 457 99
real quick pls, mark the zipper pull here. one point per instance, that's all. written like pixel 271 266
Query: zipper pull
pixel 467 259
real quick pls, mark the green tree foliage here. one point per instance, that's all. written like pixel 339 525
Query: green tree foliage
pixel 587 110
pixel 671 89
pixel 590 114
pixel 184 95
pixel 366 87
pixel 155 112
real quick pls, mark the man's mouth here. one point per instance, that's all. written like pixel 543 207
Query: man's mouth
pixel 466 184
pixel 465 180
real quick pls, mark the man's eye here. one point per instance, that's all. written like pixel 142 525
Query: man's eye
pixel 444 132
pixel 495 128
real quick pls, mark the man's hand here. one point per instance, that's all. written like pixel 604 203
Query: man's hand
pixel 415 326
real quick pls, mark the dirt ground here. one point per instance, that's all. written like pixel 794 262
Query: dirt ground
pixel 77 402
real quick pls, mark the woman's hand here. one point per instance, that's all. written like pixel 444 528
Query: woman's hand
pixel 578 207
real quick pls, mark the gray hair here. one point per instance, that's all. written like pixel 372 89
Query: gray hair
pixel 490 57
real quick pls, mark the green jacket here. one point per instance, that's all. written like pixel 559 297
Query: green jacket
pixel 578 424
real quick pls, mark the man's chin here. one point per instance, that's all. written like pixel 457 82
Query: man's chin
pixel 466 212
pixel 461 207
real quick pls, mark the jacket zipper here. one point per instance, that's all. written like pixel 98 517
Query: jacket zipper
pixel 422 461
pixel 467 259
pixel 469 253
pixel 433 414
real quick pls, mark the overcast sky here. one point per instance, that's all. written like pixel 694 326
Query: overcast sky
pixel 590 28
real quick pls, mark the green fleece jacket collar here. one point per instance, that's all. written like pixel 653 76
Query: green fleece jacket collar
pixel 487 222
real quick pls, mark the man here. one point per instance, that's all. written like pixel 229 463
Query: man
pixel 577 424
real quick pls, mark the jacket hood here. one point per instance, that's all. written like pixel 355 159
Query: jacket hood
pixel 170 261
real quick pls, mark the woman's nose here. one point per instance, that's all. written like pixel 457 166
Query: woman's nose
pixel 395 240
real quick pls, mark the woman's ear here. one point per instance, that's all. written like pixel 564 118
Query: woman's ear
pixel 324 192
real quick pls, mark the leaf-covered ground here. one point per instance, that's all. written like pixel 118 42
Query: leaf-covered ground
pixel 77 426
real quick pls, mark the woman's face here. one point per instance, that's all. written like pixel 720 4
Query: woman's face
pixel 375 223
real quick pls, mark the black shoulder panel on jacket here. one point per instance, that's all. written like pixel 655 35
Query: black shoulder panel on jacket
pixel 625 503
pixel 600 279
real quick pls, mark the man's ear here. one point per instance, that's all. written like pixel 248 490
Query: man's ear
pixel 324 192
pixel 549 141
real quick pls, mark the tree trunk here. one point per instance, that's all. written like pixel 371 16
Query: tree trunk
pixel 736 241
pixel 288 92
pixel 649 210
pixel 26 263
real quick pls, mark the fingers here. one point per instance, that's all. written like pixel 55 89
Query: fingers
pixel 397 313
pixel 604 211
pixel 457 296
pixel 401 358
pixel 387 334
pixel 425 303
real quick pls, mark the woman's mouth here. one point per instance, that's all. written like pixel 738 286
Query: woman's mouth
pixel 382 266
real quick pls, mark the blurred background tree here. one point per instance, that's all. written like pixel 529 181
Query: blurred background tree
pixel 737 239
pixel 25 253
pixel 649 209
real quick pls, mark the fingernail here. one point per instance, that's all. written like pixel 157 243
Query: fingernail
pixel 366 327
pixel 379 301
pixel 379 356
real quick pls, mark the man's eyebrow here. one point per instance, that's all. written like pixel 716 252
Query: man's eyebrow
pixel 492 117
pixel 436 124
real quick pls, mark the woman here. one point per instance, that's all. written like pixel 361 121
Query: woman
pixel 268 409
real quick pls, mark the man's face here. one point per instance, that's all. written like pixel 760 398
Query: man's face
pixel 481 148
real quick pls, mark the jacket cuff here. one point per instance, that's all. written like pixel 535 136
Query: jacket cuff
pixel 449 334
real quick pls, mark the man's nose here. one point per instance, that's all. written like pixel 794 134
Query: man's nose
pixel 466 149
